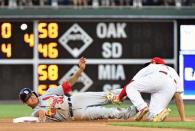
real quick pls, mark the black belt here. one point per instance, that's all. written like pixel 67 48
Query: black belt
pixel 70 107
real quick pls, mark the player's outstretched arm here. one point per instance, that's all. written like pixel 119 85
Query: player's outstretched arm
pixel 75 76
pixel 180 106
pixel 41 114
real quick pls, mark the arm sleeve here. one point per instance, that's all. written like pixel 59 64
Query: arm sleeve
pixel 66 87
pixel 63 89
pixel 123 92
pixel 179 87
pixel 35 111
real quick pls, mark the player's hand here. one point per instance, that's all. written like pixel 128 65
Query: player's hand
pixel 42 116
pixel 82 63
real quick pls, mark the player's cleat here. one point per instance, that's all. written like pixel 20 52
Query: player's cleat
pixel 162 115
pixel 141 114
pixel 131 111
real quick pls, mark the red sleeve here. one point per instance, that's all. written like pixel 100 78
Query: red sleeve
pixel 123 92
pixel 66 87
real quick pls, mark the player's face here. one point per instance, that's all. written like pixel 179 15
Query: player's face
pixel 32 101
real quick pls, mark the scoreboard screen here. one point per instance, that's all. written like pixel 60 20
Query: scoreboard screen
pixel 16 40
pixel 104 40
pixel 49 51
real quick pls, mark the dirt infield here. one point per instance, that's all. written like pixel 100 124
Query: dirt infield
pixel 98 125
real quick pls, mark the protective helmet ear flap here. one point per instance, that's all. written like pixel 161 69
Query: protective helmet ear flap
pixel 25 94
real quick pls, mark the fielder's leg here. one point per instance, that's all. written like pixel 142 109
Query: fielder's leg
pixel 159 102
pixel 137 100
pixel 148 84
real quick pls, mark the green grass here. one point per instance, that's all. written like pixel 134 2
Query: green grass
pixel 17 110
pixel 189 109
pixel 14 110
pixel 181 125
pixel 190 112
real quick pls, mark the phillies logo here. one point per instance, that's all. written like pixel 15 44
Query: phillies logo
pixel 75 40
pixel 84 80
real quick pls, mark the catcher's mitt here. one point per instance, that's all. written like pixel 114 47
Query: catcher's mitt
pixel 113 98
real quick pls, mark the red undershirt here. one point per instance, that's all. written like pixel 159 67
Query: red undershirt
pixel 123 92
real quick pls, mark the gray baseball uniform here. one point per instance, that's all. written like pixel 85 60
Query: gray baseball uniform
pixel 83 106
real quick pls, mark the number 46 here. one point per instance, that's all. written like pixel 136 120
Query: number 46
pixel 48 50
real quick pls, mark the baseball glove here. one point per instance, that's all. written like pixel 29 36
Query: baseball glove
pixel 113 98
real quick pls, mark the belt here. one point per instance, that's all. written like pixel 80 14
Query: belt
pixel 164 72
pixel 70 107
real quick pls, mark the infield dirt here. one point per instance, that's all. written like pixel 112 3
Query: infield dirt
pixel 97 125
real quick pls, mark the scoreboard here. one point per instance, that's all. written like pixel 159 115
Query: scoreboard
pixel 40 54
pixel 16 42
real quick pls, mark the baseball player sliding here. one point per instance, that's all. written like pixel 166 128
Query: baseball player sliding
pixel 163 83
pixel 56 106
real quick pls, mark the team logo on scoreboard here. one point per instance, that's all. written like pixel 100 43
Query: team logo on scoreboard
pixel 75 40
pixel 83 83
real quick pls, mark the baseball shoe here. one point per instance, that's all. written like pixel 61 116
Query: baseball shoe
pixel 131 111
pixel 162 115
pixel 141 114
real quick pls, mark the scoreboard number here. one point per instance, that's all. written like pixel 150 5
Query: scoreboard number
pixel 42 88
pixel 7 49
pixel 16 40
pixel 29 38
pixel 6 30
pixel 49 30
pixel 48 50
pixel 49 72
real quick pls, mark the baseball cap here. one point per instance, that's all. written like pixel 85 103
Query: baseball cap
pixel 157 60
